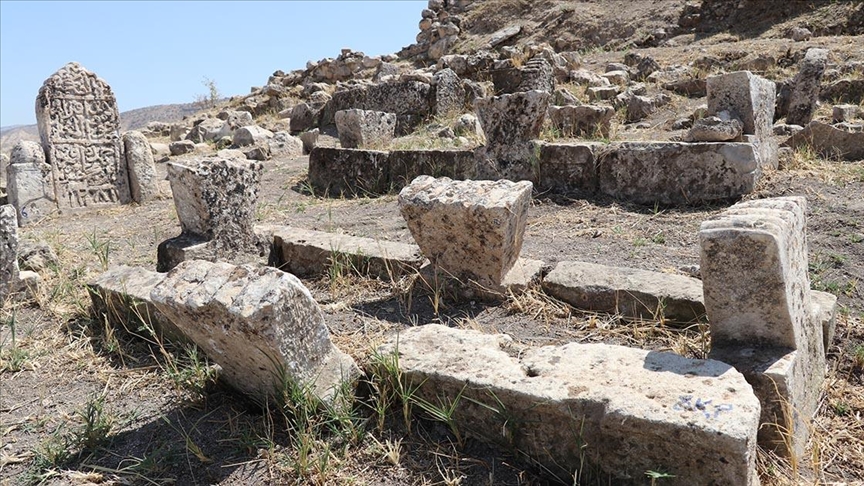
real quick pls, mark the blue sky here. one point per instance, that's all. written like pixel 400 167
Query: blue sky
pixel 154 53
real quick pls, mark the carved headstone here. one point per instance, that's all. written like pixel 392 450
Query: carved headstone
pixel 8 251
pixel 79 126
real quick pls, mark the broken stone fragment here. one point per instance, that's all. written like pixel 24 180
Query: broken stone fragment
pixel 616 410
pixel 582 120
pixel 830 141
pixel 143 180
pixel 805 87
pixel 714 129
pixel 261 325
pixel 472 230
pixel 9 254
pixel 365 128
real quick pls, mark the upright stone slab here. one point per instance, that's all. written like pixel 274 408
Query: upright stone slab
pixel 758 301
pixel 4 162
pixel 805 87
pixel 364 128
pixel 606 414
pixel 510 122
pixel 143 180
pixel 216 202
pixel 449 93
pixel 750 99
pixel 261 325
pixel 80 130
pixel 471 230
pixel 537 75
pixel 8 251
pixel 30 188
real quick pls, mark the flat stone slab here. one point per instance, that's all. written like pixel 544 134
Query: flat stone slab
pixel 677 172
pixel 260 324
pixel 472 230
pixel 122 294
pixel 830 141
pixel 612 411
pixel 349 172
pixel 305 253
pixel 630 292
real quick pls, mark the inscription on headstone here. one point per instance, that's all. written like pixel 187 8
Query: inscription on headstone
pixel 79 126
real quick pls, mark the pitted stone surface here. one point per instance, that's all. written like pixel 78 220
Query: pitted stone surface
pixel 122 294
pixel 143 180
pixel 622 410
pixel 30 189
pixel 305 252
pixel 510 122
pixel 349 172
pixel 216 200
pixel 714 129
pixel 8 251
pixel 758 300
pixel 568 167
pixel 449 93
pixel 512 118
pixel 79 126
pixel 630 292
pixel 754 268
pixel 364 128
pixel 261 325
pixel 677 173
pixel 805 87
pixel 472 230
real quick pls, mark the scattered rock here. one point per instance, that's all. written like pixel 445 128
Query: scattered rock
pixel 181 147
pixel 365 128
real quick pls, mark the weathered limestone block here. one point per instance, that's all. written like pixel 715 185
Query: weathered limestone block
pixel 283 144
pixel 844 113
pixel 511 119
pixel 630 292
pixel 568 167
pixel 830 141
pixel 8 252
pixel 181 147
pixel 609 412
pixel 261 325
pixel 598 93
pixel 536 74
pixel 305 116
pixel 510 122
pixel 639 107
pixel 805 87
pixel 582 120
pixel 407 165
pixel 305 253
pixel 209 130
pixel 471 230
pixel 363 128
pixel 30 188
pixel 79 126
pixel 449 93
pixel 336 171
pixel 215 202
pixel 757 296
pixel 122 295
pixel 678 173
pixel 143 180
pixel 251 135
pixel 309 139
pixel 714 129
pixel 750 99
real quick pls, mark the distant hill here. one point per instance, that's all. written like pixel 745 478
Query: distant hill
pixel 129 120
